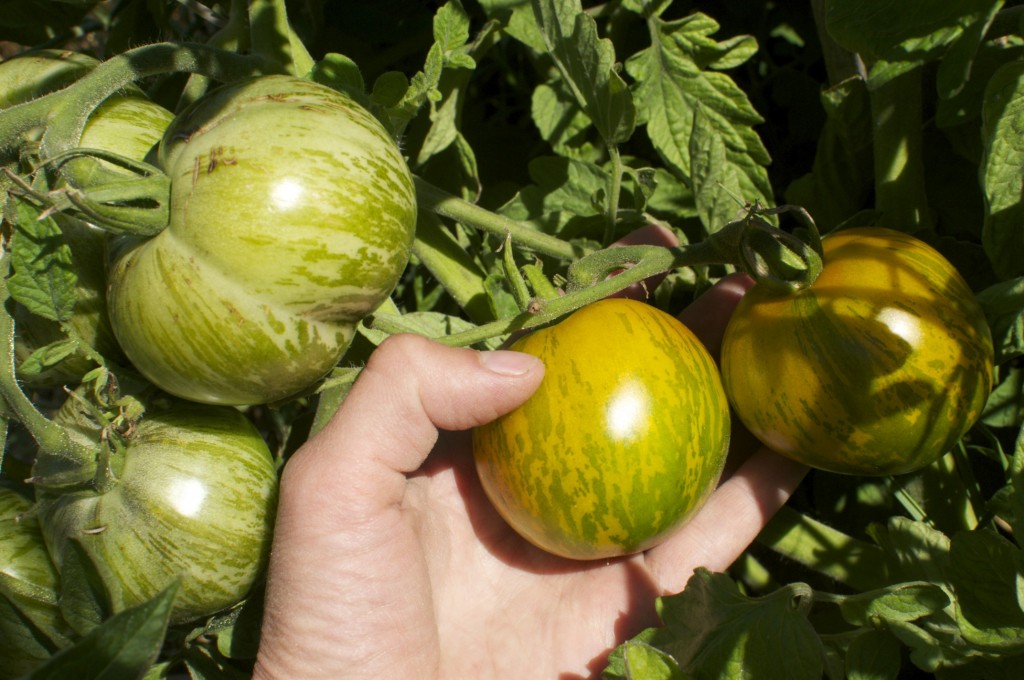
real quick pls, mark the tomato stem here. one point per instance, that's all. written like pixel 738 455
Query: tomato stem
pixel 449 262
pixel 900 193
pixel 49 436
pixel 64 113
pixel 614 189
pixel 268 23
pixel 516 281
pixel 438 201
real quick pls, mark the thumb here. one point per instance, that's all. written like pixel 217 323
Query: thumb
pixel 388 423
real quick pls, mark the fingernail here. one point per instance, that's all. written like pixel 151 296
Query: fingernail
pixel 505 362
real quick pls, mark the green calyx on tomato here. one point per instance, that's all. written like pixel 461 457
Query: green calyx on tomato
pixel 877 368
pixel 623 441
pixel 292 217
pixel 193 496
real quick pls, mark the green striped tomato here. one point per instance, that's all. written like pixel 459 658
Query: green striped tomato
pixel 877 368
pixel 623 441
pixel 194 497
pixel 292 217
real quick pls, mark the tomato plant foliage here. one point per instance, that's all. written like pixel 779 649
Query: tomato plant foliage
pixel 236 202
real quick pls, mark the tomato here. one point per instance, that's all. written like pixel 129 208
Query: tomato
pixel 877 368
pixel 128 125
pixel 27 76
pixel 31 625
pixel 623 441
pixel 292 217
pixel 194 497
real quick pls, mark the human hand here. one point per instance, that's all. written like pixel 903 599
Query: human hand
pixel 389 561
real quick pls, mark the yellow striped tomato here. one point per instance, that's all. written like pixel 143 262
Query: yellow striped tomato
pixel 877 368
pixel 623 441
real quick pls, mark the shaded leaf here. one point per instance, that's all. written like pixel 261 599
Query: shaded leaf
pixel 712 629
pixel 985 570
pixel 1002 170
pixel 873 655
pixel 84 601
pixel 1003 304
pixel 123 647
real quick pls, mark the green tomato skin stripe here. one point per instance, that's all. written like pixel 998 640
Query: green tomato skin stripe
pixel 292 217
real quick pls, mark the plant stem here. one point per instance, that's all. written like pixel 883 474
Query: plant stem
pixel 50 436
pixel 840 63
pixel 66 111
pixel 430 197
pixel 273 39
pixel 614 189
pixel 900 193
pixel 590 280
pixel 825 550
pixel 454 267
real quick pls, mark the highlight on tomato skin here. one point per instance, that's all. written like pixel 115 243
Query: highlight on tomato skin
pixel 621 444
pixel 878 368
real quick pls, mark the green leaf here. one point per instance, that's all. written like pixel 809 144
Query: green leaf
pixel 1002 170
pixel 389 89
pixel 561 122
pixel 563 194
pixel 712 629
pixel 842 175
pixel 900 602
pixel 1005 405
pixel 202 664
pixel 898 36
pixel 986 571
pixel 966 104
pixel 451 26
pixel 931 647
pixel 238 633
pixel 44 275
pixel 959 60
pixel 1015 474
pixel 913 550
pixel 84 600
pixel 123 647
pixel 342 74
pixel 501 300
pixel 673 83
pixel 451 31
pixel 587 65
pixel 47 356
pixel 873 655
pixel 644 662
pixel 717 185
pixel 1004 309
